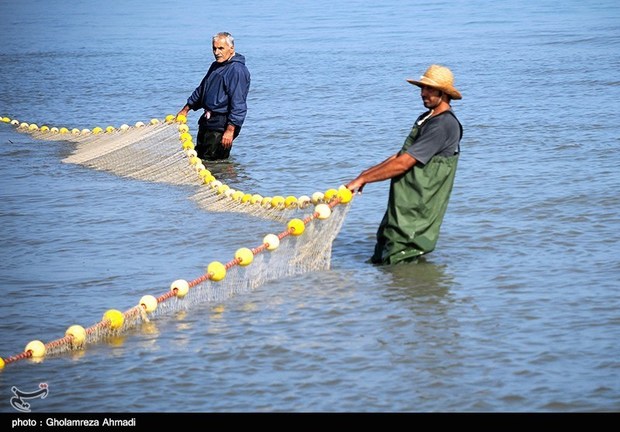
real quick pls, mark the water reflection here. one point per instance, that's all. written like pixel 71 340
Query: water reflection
pixel 425 326
pixel 417 280
pixel 230 172
pixel 77 354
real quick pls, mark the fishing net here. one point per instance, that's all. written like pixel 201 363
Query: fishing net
pixel 163 151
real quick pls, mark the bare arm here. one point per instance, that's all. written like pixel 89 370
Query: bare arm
pixel 389 168
pixel 379 165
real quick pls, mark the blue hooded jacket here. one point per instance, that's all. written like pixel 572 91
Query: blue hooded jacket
pixel 224 90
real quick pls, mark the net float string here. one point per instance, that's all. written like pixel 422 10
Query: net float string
pixel 313 253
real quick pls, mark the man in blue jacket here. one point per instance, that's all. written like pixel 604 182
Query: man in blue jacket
pixel 222 94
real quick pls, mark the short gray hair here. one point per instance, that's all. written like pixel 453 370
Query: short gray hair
pixel 225 35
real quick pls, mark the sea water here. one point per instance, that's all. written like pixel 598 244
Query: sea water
pixel 515 310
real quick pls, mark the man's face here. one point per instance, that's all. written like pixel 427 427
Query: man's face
pixel 431 97
pixel 222 51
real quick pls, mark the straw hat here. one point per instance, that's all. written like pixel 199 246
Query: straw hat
pixel 439 77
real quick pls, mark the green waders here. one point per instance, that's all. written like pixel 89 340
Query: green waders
pixel 417 204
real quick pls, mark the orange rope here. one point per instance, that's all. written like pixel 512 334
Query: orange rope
pixel 66 340
pixel 20 356
pixel 232 263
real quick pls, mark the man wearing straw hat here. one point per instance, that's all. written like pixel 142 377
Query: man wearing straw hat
pixel 422 174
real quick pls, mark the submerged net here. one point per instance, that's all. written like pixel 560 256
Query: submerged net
pixel 163 151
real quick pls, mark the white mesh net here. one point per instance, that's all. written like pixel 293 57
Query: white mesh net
pixel 163 152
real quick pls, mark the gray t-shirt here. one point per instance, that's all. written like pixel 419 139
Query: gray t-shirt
pixel 438 136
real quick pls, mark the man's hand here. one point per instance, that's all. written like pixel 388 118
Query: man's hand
pixel 227 138
pixel 357 184
pixel 183 111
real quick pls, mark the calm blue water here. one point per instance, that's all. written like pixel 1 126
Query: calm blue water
pixel 516 310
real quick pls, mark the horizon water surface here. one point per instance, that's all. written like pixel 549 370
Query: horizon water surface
pixel 517 310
